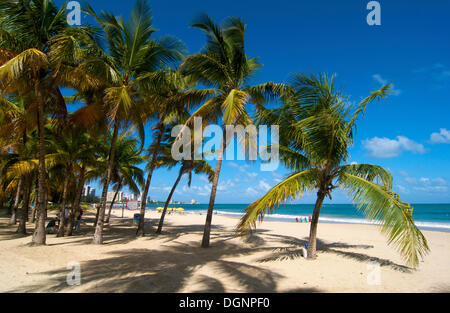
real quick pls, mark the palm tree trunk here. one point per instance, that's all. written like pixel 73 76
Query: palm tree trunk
pixel 314 222
pixel 62 221
pixel 33 211
pixel 140 229
pixel 10 207
pixel 161 220
pixel 212 199
pixel 98 235
pixel 112 203
pixel 22 228
pixel 76 201
pixel 96 216
pixel 39 235
pixel 13 218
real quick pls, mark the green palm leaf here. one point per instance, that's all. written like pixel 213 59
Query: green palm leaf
pixel 291 188
pixel 393 216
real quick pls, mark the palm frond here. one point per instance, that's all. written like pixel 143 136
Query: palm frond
pixel 392 215
pixel 291 188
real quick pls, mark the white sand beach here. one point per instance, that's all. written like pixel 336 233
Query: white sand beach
pixel 269 261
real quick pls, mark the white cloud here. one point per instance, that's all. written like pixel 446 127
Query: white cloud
pixel 403 189
pixel 259 189
pixel 274 174
pixel 264 186
pixel 389 148
pixel 404 173
pixel 251 191
pixel 252 174
pixel 442 137
pixel 423 184
pixel 438 73
pixel 198 190
pixel 383 82
pixel 225 185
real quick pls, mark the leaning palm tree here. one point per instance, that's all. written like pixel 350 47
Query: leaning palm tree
pixel 188 165
pixel 319 124
pixel 172 96
pixel 132 53
pixel 223 65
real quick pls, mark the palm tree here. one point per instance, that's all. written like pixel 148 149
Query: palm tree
pixel 126 173
pixel 68 151
pixel 223 64
pixel 133 53
pixel 172 95
pixel 33 50
pixel 187 166
pixel 18 126
pixel 318 127
pixel 17 123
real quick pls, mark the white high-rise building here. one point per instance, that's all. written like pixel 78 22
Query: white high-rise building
pixel 86 190
pixel 110 196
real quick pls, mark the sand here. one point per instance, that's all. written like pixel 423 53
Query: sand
pixel 269 261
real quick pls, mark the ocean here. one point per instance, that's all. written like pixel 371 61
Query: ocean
pixel 427 216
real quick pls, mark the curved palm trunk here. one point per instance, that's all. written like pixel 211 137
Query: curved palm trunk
pixel 314 222
pixel 112 203
pixel 62 222
pixel 13 218
pixel 161 220
pixel 140 228
pixel 76 202
pixel 212 199
pixel 22 228
pixel 39 235
pixel 98 235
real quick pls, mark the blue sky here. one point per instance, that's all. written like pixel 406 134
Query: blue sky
pixel 409 134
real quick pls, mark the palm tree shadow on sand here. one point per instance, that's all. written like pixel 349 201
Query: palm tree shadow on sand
pixel 292 250
pixel 175 266
pixel 169 270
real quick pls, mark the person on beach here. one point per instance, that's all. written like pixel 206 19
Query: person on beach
pixel 51 227
pixel 80 214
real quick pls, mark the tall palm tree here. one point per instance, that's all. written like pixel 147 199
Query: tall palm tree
pixel 32 65
pixel 133 53
pixel 223 65
pixel 319 125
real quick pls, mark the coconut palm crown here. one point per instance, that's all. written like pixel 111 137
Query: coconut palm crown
pixel 224 66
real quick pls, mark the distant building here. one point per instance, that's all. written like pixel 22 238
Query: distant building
pixel 92 192
pixel 110 196
pixel 86 190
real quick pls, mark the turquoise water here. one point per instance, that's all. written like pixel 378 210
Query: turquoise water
pixel 427 216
